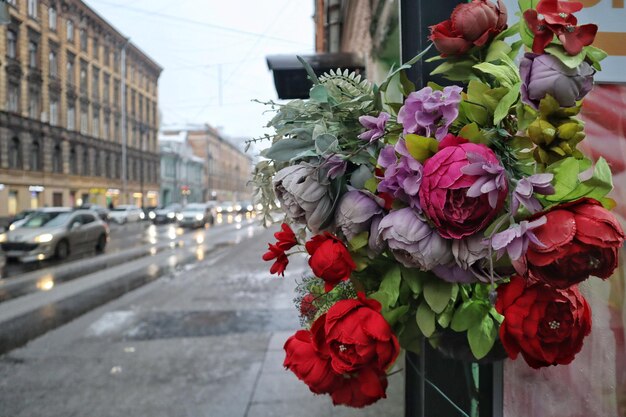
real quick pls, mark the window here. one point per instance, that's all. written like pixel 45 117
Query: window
pixel 107 55
pixel 32 8
pixel 15 154
pixel 71 117
pixel 35 156
pixel 97 165
pixel 84 120
pixel 71 78
pixel 52 18
pixel 53 62
pixel 32 54
pixel 13 97
pixel 107 165
pixel 95 83
pixel 11 44
pixel 116 93
pixel 95 127
pixel 96 48
pixel 106 87
pixel 83 40
pixel 57 159
pixel 116 61
pixel 105 128
pixel 86 168
pixel 116 129
pixel 69 30
pixel 12 2
pixel 33 104
pixel 83 77
pixel 54 111
pixel 132 103
pixel 73 161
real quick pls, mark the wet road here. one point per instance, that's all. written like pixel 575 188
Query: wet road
pixel 123 238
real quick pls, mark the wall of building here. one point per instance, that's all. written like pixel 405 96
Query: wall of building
pixel 61 110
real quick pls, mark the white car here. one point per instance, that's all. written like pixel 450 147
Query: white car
pixel 126 214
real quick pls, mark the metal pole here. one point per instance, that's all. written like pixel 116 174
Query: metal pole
pixel 123 109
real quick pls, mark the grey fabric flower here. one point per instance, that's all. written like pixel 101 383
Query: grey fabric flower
pixel 356 211
pixel 412 241
pixel 472 255
pixel 303 198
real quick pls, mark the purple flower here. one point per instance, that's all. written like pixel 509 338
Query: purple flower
pixel 491 178
pixel 426 111
pixel 412 241
pixel 515 239
pixel 403 175
pixel 375 126
pixel 454 273
pixel 546 74
pixel 355 212
pixel 526 187
pixel 335 166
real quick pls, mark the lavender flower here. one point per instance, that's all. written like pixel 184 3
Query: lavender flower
pixel 375 126
pixel 546 74
pixel 412 241
pixel 426 111
pixel 454 273
pixel 526 187
pixel 355 212
pixel 515 239
pixel 472 254
pixel 491 181
pixel 335 166
pixel 403 175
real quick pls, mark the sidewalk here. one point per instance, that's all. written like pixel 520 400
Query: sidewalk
pixel 204 341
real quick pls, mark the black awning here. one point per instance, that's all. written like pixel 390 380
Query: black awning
pixel 291 80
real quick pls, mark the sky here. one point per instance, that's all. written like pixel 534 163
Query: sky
pixel 205 44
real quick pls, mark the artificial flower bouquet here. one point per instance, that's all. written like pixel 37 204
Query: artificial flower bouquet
pixel 463 215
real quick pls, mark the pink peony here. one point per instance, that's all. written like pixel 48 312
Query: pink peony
pixel 444 191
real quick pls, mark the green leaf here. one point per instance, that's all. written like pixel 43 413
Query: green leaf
pixel 326 143
pixel 425 319
pixel 595 55
pixel 393 315
pixel 359 241
pixel 285 149
pixel 571 61
pixel 389 289
pixel 496 50
pixel 482 337
pixel 503 73
pixel 319 93
pixel 410 337
pixel 371 185
pixel 567 185
pixel 469 314
pixel 414 279
pixel 456 70
pixel 438 293
pixel 407 65
pixel 445 317
pixel 421 147
pixel 309 70
pixel 508 101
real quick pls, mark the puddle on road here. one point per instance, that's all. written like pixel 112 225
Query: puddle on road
pixel 183 324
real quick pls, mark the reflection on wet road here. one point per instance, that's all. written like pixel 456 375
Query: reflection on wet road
pixel 129 244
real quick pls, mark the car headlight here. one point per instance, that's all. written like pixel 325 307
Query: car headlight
pixel 12 226
pixel 199 217
pixel 237 207
pixel 219 209
pixel 171 215
pixel 3 237
pixel 142 216
pixel 45 238
pixel 179 217
pixel 229 209
pixel 152 215
pixel 249 207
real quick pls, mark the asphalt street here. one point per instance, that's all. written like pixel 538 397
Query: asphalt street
pixel 202 339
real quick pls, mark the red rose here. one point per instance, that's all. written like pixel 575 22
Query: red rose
pixel 547 325
pixel 363 389
pixel 330 259
pixel 579 239
pixel 309 365
pixel 307 307
pixel 471 24
pixel 356 336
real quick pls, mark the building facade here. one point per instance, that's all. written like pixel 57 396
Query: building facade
pixel 182 172
pixel 227 169
pixel 76 97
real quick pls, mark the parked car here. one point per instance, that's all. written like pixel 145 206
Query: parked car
pixel 125 214
pixel 195 215
pixel 55 233
pixel 103 212
pixel 167 214
pixel 20 218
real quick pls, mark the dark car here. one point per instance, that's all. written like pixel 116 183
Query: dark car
pixel 150 212
pixel 167 214
pixel 102 212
